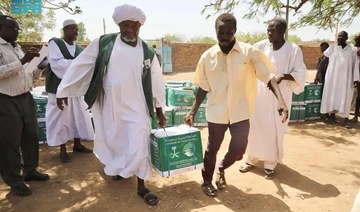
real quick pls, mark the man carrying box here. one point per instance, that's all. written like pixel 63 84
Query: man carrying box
pixel 227 74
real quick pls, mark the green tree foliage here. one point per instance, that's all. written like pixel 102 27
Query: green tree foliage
pixel 82 33
pixel 254 38
pixel 294 39
pixel 33 25
pixel 205 40
pixel 250 38
pixel 324 14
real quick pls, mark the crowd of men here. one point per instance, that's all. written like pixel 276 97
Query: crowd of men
pixel 247 86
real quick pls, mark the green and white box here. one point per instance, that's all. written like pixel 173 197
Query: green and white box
pixel 169 118
pixel 298 98
pixel 40 105
pixel 42 130
pixel 200 117
pixel 313 110
pixel 180 97
pixel 313 92
pixel 298 112
pixel 176 150
pixel 179 115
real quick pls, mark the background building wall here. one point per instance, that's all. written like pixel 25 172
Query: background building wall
pixel 185 56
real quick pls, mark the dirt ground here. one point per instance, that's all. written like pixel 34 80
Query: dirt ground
pixel 321 172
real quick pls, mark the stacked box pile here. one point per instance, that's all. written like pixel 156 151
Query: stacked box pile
pixel 313 94
pixel 298 108
pixel 200 116
pixel 180 96
pixel 169 118
pixel 306 105
pixel 176 150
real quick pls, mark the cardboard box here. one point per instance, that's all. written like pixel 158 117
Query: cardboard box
pixel 298 98
pixel 180 97
pixel 200 117
pixel 313 110
pixel 298 112
pixel 42 130
pixel 169 118
pixel 40 105
pixel 176 150
pixel 179 115
pixel 313 93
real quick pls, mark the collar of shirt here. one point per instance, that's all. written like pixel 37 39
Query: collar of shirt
pixel 4 42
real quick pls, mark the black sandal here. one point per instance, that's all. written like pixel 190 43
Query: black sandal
pixel 269 174
pixel 149 197
pixel 221 182
pixel 209 189
pixel 117 177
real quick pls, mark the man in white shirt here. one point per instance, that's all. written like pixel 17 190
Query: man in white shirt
pixel 18 122
pixel 341 76
pixel 356 97
pixel 267 131
pixel 74 121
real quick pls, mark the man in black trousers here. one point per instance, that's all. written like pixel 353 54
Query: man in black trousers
pixel 18 123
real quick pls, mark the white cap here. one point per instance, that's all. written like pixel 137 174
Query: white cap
pixel 68 22
pixel 128 12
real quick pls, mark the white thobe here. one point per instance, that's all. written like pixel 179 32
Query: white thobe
pixel 121 117
pixel 267 131
pixel 72 122
pixel 342 72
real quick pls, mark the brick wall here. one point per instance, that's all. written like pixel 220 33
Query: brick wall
pixel 185 56
pixel 311 53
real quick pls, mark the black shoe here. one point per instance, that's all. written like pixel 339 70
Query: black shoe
pixel 64 157
pixel 269 174
pixel 36 176
pixel 221 182
pixel 82 149
pixel 117 177
pixel 354 120
pixel 21 190
pixel 347 125
pixel 209 189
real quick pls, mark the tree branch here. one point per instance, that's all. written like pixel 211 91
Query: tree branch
pixel 296 8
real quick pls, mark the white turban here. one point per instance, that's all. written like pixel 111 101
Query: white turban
pixel 128 12
pixel 68 22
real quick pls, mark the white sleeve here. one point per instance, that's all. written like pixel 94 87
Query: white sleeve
pixel 298 72
pixel 77 78
pixel 58 63
pixel 158 84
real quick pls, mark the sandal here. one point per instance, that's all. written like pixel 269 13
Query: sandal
pixel 117 177
pixel 246 167
pixel 209 189
pixel 269 174
pixel 149 197
pixel 220 182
